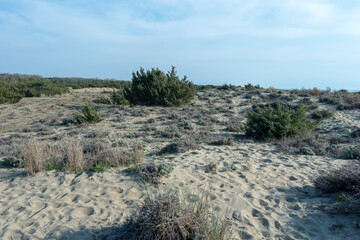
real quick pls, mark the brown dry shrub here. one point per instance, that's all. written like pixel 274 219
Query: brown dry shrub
pixel 168 216
pixel 346 179
pixel 302 144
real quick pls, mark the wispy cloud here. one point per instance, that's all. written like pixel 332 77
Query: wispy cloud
pixel 164 32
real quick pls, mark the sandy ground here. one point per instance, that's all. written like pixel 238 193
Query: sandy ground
pixel 267 195
pixel 270 196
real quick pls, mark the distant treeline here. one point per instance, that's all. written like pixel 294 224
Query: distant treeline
pixel 13 87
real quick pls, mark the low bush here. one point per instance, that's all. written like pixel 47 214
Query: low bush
pixel 322 114
pixel 153 173
pixel 344 151
pixel 8 96
pixel 118 97
pixel 221 141
pixel 182 146
pixel 307 144
pixel 154 87
pixel 89 115
pixel 102 100
pixel 346 179
pixel 344 184
pixel 168 216
pixel 12 162
pixel 250 87
pixel 277 121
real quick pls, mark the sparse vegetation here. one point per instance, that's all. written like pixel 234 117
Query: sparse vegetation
pixel 344 184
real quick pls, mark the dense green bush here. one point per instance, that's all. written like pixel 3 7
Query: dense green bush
pixel 277 121
pixel 155 88
pixel 89 115
pixel 322 114
pixel 8 96
pixel 118 97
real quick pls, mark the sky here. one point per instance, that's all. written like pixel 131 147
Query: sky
pixel 280 43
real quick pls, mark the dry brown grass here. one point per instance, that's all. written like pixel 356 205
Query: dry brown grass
pixel 75 156
pixel 35 157
pixel 118 157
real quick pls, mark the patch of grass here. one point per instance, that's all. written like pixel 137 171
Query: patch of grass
pixel 52 164
pixel 100 166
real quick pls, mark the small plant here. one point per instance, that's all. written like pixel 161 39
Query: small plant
pixel 250 87
pixel 101 165
pixel 102 100
pixel 52 164
pixel 12 162
pixel 89 115
pixel 168 216
pixel 153 173
pixel 211 167
pixel 228 141
pixel 323 114
pixel 277 121
pixel 181 146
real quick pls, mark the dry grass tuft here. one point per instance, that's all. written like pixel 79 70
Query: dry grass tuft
pixel 35 157
pixel 75 156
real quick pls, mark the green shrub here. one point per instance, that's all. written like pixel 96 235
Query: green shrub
pixel 101 165
pixel 157 88
pixel 12 162
pixel 322 114
pixel 118 97
pixel 250 87
pixel 277 121
pixel 89 115
pixel 102 100
pixel 8 96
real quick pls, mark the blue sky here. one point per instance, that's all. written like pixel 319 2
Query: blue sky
pixel 280 43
